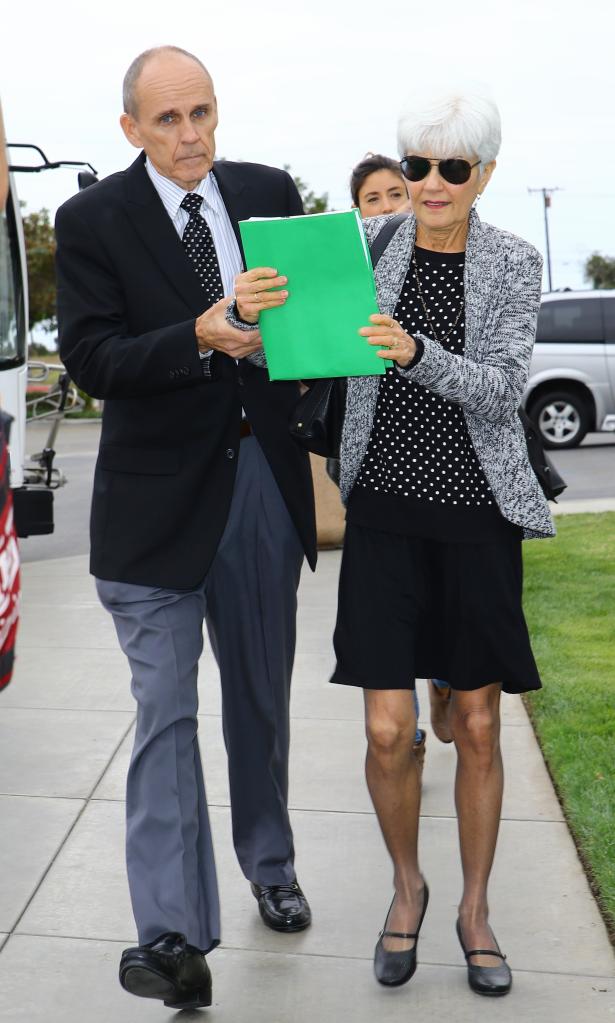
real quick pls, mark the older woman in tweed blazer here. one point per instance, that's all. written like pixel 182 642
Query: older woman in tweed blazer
pixel 440 494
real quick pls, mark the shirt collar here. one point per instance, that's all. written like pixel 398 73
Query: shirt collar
pixel 172 195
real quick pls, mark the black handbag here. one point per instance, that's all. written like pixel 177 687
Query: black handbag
pixel 551 482
pixel 318 417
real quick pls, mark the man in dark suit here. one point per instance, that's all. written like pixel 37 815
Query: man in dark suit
pixel 202 508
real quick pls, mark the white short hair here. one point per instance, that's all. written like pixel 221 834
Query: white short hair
pixel 458 120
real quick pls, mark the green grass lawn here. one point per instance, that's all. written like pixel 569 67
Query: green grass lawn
pixel 570 609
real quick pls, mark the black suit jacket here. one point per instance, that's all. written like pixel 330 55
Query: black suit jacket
pixel 128 298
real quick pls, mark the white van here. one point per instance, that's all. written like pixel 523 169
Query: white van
pixel 571 389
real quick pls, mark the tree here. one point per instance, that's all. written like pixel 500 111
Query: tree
pixel 37 351
pixel 600 271
pixel 40 252
pixel 311 203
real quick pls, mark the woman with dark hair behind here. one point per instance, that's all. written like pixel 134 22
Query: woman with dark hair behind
pixel 377 186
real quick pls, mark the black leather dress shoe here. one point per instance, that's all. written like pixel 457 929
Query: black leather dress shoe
pixel 395 968
pixel 283 907
pixel 486 980
pixel 169 969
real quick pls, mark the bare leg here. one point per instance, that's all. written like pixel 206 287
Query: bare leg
pixel 440 706
pixel 394 786
pixel 475 725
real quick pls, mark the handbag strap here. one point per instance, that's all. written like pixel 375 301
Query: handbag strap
pixel 382 239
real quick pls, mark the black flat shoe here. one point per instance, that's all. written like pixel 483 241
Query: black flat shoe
pixel 168 969
pixel 283 907
pixel 486 980
pixel 395 968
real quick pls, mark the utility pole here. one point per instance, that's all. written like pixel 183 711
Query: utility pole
pixel 546 197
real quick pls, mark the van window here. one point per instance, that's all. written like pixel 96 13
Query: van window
pixel 570 320
pixel 608 306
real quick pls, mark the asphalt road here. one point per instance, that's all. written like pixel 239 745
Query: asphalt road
pixel 588 470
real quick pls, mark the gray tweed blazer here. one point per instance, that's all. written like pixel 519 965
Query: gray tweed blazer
pixel 502 281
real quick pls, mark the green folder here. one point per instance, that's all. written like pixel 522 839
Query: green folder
pixel 331 294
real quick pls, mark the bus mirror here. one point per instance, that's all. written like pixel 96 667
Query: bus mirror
pixel 86 178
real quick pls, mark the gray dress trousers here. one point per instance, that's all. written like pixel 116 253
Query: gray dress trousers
pixel 249 601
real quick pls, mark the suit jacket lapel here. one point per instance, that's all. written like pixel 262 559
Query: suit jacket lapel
pixel 153 224
pixel 233 192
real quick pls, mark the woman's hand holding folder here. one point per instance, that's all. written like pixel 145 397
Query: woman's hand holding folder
pixel 392 340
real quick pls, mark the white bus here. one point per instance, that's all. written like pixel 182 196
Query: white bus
pixel 32 480
pixel 13 319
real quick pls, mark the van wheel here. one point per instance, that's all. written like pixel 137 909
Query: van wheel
pixel 561 418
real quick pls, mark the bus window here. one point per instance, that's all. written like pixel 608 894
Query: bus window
pixel 13 328
pixel 8 316
pixel 4 168
pixel 8 310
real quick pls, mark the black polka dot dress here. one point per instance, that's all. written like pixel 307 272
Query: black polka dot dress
pixel 431 574
pixel 420 449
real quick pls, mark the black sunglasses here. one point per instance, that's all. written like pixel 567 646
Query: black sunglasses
pixel 455 171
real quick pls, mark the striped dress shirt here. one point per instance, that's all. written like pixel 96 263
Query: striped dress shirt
pixel 213 212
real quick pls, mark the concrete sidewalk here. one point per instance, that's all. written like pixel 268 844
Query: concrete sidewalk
pixel 65 734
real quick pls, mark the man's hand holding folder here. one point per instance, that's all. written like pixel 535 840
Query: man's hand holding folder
pixel 253 292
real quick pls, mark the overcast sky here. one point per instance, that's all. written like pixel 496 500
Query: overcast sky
pixel 316 85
